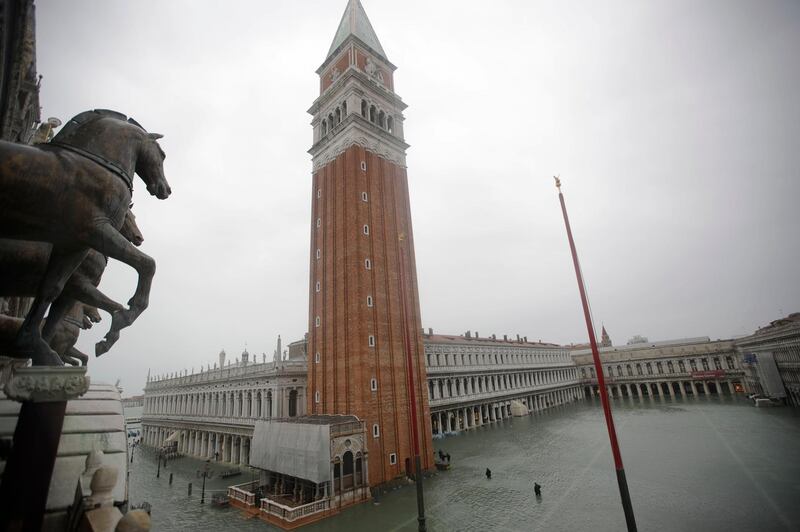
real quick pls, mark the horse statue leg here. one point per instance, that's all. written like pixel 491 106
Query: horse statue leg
pixel 110 242
pixel 29 342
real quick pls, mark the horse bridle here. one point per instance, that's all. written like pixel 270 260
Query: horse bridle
pixel 111 166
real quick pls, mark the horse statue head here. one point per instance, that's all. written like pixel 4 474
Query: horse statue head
pixel 120 144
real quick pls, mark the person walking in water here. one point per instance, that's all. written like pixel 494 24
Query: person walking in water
pixel 488 473
pixel 537 489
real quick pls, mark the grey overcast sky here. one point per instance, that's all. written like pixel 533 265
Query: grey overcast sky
pixel 675 126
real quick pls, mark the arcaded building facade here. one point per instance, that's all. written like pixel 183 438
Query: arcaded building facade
pixel 364 314
pixel 473 380
pixel 674 368
pixel 211 414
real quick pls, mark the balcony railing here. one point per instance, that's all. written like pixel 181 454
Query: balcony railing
pixel 292 513
pixel 242 493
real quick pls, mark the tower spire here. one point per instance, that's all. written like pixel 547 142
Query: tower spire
pixel 355 22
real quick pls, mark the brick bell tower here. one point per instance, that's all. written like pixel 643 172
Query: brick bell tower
pixel 360 233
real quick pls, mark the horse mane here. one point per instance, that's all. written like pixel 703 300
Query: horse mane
pixel 81 119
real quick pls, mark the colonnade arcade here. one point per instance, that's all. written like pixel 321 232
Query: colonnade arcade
pixel 474 415
pixel 457 386
pixel 206 444
pixel 680 388
pixel 231 403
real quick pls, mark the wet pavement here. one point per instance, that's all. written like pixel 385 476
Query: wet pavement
pixel 692 464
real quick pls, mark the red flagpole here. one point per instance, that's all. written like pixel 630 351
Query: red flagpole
pixel 412 394
pixel 601 381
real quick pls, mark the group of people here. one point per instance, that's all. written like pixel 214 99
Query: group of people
pixel 537 489
pixel 444 457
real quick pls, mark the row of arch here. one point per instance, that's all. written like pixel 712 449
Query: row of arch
pixel 444 388
pixel 240 404
pixel 496 357
pixel 369 111
pixel 659 367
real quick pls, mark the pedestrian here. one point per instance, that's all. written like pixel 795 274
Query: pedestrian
pixel 489 473
pixel 441 456
pixel 537 489
pixel 447 456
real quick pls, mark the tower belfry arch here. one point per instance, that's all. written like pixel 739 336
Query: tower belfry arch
pixel 361 230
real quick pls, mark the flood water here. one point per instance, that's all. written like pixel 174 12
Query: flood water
pixel 692 464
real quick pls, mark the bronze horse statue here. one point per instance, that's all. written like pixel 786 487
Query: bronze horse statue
pixel 23 264
pixel 73 192
pixel 65 333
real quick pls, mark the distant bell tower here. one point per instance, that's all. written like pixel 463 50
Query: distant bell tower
pixel 360 233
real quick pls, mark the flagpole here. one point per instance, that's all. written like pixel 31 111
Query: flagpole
pixel 601 382
pixel 412 394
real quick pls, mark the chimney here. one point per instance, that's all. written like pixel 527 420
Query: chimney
pixel 468 334
pixel 517 338
pixel 494 337
pixel 222 358
pixel 505 338
pixel 526 339
pixel 477 334
pixel 430 331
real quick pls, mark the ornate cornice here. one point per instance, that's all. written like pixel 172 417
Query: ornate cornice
pixel 44 384
pixel 355 133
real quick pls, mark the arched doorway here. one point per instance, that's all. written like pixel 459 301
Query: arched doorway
pixel 293 407
pixel 347 470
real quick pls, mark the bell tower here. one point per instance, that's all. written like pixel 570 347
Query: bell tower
pixel 363 317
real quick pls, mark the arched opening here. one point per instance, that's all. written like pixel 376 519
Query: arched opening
pixel 359 475
pixel 338 115
pixel 337 475
pixel 347 470
pixel 344 109
pixel 364 108
pixel 382 121
pixel 372 114
pixel 324 127
pixel 269 404
pixel 390 124
pixel 293 403
pixel 258 404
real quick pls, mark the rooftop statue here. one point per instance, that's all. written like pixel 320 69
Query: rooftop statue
pixel 73 193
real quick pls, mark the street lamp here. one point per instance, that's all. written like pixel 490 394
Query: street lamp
pixel 205 473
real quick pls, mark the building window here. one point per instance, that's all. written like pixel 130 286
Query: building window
pixel 319 253
pixel 717 363
pixel 364 165
pixel 371 340
pixel 376 431
pixel 316 287
pixel 316 397
pixel 729 362
pixel 369 301
pixel 373 384
pixel 364 196
pixel 392 458
pixel 316 321
pixel 367 264
pixel 319 192
pixel 366 229
pixel 316 357
pixel 319 222
pixel 705 364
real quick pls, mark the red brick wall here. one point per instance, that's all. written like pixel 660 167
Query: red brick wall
pixel 348 363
